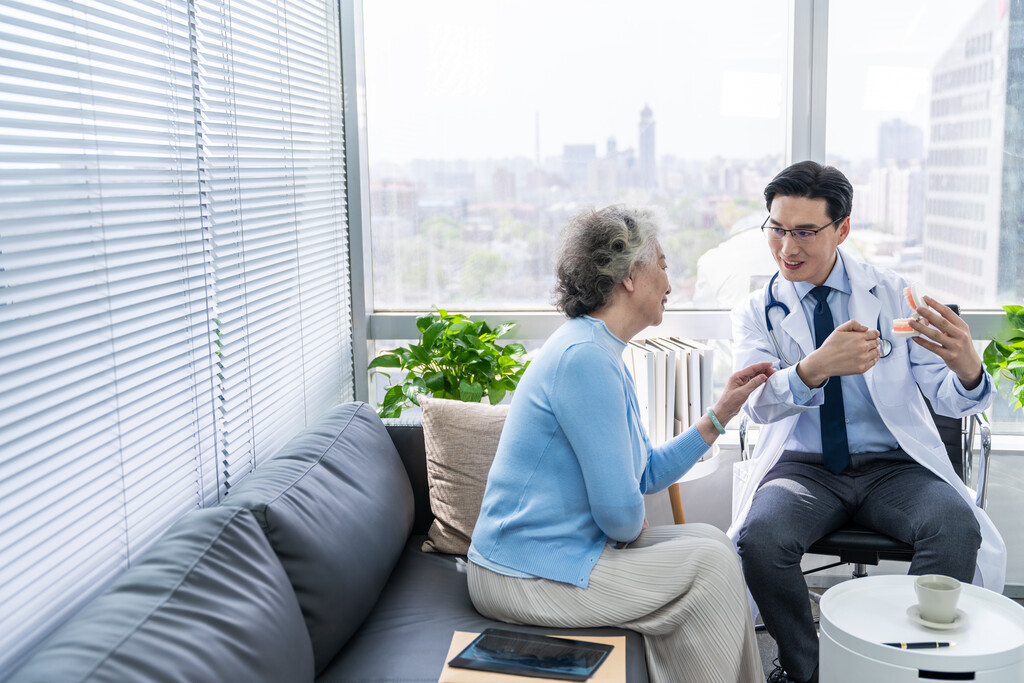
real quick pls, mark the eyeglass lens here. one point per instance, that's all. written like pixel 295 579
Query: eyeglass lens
pixel 799 235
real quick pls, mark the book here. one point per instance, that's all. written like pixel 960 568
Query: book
pixel 665 394
pixel 705 367
pixel 643 378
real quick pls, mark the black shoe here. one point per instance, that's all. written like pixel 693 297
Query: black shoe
pixel 779 675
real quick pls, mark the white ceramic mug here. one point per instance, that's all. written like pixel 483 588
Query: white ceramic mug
pixel 937 596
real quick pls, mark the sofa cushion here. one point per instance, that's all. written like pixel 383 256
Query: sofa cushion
pixel 460 440
pixel 337 508
pixel 407 635
pixel 209 601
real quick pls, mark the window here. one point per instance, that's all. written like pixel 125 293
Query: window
pixel 173 273
pixel 488 130
pixel 923 112
pixel 489 124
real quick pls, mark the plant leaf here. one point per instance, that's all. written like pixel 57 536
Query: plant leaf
pixel 1015 314
pixel 425 321
pixel 495 392
pixel 389 410
pixel 515 349
pixel 414 389
pixel 504 329
pixel 431 334
pixel 434 381
pixel 419 354
pixel 385 360
pixel 471 393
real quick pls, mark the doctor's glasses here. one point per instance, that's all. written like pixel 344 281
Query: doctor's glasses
pixel 799 234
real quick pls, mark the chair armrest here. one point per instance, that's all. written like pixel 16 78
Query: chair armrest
pixel 985 434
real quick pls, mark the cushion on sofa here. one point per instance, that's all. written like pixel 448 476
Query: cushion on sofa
pixel 460 440
pixel 209 601
pixel 337 508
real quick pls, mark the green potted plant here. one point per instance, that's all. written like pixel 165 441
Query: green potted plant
pixel 1004 359
pixel 455 358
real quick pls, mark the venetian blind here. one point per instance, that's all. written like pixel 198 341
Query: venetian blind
pixel 173 273
pixel 273 179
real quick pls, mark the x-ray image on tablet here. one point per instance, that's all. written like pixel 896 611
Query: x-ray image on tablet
pixel 525 654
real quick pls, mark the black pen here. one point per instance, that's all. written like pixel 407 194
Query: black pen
pixel 920 646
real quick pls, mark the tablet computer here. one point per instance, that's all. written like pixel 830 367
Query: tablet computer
pixel 526 654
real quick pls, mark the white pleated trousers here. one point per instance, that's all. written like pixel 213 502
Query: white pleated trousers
pixel 680 586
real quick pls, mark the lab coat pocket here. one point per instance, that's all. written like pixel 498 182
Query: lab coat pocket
pixel 891 378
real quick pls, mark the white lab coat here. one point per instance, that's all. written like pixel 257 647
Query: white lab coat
pixel 877 296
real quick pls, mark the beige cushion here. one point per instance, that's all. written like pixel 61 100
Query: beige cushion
pixel 460 440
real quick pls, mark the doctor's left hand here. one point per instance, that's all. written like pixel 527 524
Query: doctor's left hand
pixel 949 338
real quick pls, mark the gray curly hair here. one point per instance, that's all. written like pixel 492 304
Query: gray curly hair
pixel 598 250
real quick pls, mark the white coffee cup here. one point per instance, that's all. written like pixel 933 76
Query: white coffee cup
pixel 937 596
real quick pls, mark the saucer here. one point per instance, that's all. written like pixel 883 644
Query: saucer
pixel 914 612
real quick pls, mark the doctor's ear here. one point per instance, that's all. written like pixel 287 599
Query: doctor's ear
pixel 844 230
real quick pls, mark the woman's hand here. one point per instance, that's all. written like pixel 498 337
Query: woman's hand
pixel 740 385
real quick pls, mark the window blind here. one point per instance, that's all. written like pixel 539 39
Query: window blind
pixel 273 178
pixel 173 273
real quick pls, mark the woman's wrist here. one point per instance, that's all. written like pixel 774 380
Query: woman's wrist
pixel 706 429
pixel 715 421
pixel 723 413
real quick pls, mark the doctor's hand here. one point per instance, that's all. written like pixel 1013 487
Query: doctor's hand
pixel 851 349
pixel 947 336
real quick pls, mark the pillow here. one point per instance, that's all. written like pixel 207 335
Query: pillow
pixel 460 440
pixel 337 507
pixel 208 601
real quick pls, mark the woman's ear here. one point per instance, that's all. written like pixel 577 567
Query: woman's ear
pixel 628 284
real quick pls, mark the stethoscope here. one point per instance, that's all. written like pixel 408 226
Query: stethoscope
pixel 884 345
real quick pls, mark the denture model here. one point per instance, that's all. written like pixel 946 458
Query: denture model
pixel 901 328
pixel 915 299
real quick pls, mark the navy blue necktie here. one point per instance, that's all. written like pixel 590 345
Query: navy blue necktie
pixel 834 448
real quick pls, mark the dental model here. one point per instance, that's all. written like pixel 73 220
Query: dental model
pixel 915 299
pixel 901 328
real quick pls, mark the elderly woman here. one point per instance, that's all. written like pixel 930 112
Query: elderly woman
pixel 562 540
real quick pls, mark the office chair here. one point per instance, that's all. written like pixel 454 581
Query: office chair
pixel 860 546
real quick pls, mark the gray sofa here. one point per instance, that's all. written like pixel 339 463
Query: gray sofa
pixel 311 569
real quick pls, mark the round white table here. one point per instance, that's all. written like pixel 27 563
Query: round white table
pixel 859 616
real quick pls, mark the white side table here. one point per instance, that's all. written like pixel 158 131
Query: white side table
pixel 859 615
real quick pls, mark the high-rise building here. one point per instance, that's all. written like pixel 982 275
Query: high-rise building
pixel 899 142
pixel 974 227
pixel 576 162
pixel 894 197
pixel 648 164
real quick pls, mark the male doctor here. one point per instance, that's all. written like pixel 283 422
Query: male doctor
pixel 847 433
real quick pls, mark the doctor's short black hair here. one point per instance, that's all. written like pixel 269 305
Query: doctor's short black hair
pixel 811 180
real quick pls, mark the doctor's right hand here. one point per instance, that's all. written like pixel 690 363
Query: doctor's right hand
pixel 851 349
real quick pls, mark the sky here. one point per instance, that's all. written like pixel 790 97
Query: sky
pixel 477 79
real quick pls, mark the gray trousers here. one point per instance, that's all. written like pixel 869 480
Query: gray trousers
pixel 680 586
pixel 800 501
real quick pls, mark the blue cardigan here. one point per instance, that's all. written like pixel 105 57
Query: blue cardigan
pixel 573 461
